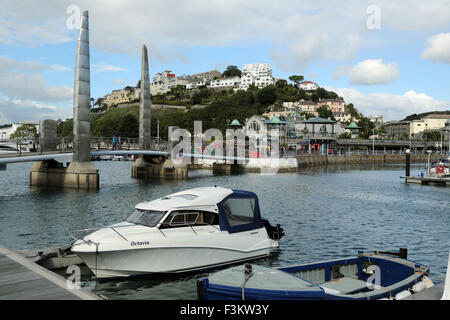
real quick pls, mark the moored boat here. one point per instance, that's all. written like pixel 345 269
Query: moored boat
pixel 440 169
pixel 362 277
pixel 192 230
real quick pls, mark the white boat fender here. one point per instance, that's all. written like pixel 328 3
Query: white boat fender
pixel 402 295
pixel 427 282
pixel 420 286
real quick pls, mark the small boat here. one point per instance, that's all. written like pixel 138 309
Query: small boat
pixel 440 169
pixel 106 157
pixel 13 148
pixel 187 231
pixel 362 277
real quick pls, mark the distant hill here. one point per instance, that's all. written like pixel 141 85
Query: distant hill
pixel 416 116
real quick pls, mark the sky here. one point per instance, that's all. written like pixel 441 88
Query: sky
pixel 389 58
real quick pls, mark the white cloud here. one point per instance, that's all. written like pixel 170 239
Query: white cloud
pixel 27 110
pixel 341 71
pixel 104 67
pixel 369 72
pixel 373 72
pixel 391 106
pixel 26 94
pixel 3 119
pixel 299 32
pixel 28 66
pixel 31 87
pixel 438 48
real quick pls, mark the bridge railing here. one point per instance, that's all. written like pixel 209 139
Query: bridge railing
pixel 65 144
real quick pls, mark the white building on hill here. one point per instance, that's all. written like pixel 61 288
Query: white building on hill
pixel 258 74
pixel 228 82
pixel 309 85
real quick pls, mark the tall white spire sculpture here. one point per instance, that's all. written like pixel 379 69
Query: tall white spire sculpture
pixel 82 95
pixel 145 104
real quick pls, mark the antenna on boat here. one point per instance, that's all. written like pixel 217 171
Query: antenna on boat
pixel 446 295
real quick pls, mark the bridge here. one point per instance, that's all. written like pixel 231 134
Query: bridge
pixel 79 172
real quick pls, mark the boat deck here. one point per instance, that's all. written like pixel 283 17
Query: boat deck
pixel 21 279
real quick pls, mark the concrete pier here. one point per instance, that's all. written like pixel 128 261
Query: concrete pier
pixel 163 169
pixel 21 279
pixel 54 174
pixel 225 169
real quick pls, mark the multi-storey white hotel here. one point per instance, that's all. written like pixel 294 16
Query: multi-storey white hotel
pixel 258 74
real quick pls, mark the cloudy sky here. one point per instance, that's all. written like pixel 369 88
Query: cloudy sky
pixel 386 57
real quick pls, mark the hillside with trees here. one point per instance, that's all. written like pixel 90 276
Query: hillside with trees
pixel 222 107
pixel 419 116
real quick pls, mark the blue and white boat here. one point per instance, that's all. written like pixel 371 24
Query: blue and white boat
pixel 362 277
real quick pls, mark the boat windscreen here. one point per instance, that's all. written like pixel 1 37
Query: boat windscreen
pixel 149 218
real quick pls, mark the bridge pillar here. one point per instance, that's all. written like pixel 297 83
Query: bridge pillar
pixel 158 167
pixel 80 173
pixel 54 174
pixel 224 168
pixel 47 135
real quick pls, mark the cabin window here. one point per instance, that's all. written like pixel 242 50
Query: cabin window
pixel 149 218
pixel 239 210
pixel 185 218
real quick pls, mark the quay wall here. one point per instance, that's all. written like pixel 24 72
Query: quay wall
pixel 308 160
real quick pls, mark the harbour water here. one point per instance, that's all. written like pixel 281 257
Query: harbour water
pixel 326 213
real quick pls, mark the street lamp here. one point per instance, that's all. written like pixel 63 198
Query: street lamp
pixel 373 141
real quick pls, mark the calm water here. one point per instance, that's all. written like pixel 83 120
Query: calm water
pixel 326 213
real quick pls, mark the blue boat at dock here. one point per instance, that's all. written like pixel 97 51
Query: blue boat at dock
pixel 362 277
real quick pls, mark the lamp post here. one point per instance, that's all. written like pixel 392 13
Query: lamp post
pixel 373 141
pixel 408 163
pixel 447 129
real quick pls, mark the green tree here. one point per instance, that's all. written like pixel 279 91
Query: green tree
pixel 65 128
pixel 179 92
pixel 266 96
pixel 366 127
pixel 129 126
pixel 325 112
pixel 26 130
pixel 351 110
pixel 231 71
pixel 297 79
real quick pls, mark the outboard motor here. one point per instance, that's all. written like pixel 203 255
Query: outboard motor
pixel 275 233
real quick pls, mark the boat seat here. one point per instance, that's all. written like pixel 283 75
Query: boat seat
pixel 346 285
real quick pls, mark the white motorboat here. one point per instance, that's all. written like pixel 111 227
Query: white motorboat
pixel 12 148
pixel 192 230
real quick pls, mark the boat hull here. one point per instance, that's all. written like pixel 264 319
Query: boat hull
pixel 125 263
pixel 341 279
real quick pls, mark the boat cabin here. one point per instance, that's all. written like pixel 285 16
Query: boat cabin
pixel 230 210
